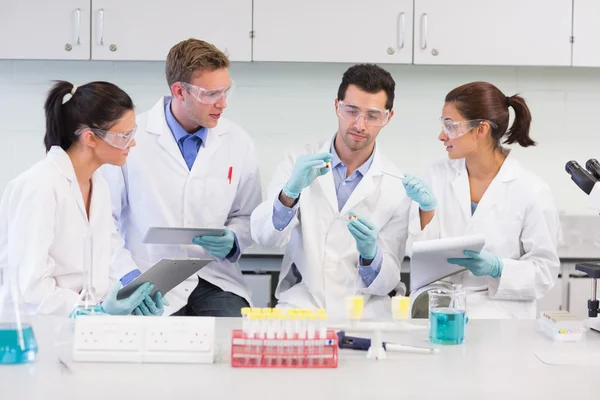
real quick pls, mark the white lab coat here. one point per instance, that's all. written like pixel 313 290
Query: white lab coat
pixel 520 224
pixel 43 229
pixel 318 242
pixel 156 188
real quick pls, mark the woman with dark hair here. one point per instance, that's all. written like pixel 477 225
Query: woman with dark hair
pixel 51 212
pixel 482 189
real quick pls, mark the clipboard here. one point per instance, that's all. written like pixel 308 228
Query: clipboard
pixel 428 263
pixel 175 235
pixel 165 275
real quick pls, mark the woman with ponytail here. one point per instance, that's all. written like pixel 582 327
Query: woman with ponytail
pixel 51 212
pixel 482 189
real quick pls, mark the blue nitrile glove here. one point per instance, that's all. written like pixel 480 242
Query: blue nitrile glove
pixel 480 264
pixel 125 306
pixel 305 173
pixel 152 307
pixel 365 235
pixel 418 191
pixel 218 246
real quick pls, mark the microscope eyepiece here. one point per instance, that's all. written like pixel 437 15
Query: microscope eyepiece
pixel 593 166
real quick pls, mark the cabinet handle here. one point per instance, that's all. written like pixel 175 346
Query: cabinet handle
pixel 423 31
pixel 78 29
pixel 401 29
pixel 101 26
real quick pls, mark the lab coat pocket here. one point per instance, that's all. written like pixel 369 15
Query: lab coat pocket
pixel 218 198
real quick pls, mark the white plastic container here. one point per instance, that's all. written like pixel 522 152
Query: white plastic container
pixel 562 326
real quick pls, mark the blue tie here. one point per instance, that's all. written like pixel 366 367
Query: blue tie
pixel 190 149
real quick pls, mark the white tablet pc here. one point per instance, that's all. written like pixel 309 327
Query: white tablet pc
pixel 165 275
pixel 172 235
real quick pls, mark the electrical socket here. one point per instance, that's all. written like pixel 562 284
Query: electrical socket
pixel 144 339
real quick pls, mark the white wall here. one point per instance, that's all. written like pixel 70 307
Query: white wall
pixel 284 105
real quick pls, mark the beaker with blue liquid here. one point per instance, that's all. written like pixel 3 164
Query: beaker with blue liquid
pixel 447 315
pixel 17 341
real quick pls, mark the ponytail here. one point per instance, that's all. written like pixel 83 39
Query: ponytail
pixel 519 131
pixel 59 128
pixel 68 108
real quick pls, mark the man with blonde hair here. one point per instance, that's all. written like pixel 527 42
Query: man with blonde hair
pixel 191 168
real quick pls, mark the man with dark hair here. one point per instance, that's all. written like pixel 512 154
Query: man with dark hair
pixel 339 207
pixel 192 168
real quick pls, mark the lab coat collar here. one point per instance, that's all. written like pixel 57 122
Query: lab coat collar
pixel 61 160
pixel 495 193
pixel 509 170
pixel 364 188
pixel 157 125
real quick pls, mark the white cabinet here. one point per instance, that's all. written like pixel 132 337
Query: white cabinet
pixel 146 30
pixel 509 32
pixel 553 300
pixel 580 290
pixel 43 29
pixel 586 47
pixel 377 31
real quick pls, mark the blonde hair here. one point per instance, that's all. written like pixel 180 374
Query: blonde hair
pixel 191 55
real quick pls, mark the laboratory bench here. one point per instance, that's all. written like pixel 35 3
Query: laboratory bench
pixel 261 270
pixel 500 359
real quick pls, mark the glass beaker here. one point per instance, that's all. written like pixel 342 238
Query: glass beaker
pixel 87 303
pixel 447 315
pixel 17 341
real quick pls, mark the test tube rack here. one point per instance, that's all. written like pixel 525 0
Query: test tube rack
pixel 253 352
pixel 275 338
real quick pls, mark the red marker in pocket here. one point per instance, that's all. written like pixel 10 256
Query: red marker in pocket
pixel 230 174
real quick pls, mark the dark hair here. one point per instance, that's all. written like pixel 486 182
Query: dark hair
pixel 482 100
pixel 95 105
pixel 372 79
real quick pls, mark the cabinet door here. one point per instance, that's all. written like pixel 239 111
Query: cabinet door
pixel 42 29
pixel 146 30
pixel 509 32
pixel 586 31
pixel 580 291
pixel 354 31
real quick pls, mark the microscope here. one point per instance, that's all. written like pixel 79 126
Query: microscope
pixel 587 180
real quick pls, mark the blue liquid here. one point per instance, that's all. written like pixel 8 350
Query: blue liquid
pixel 447 326
pixel 90 310
pixel 10 348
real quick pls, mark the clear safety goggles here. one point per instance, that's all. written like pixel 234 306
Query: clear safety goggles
pixel 115 139
pixel 372 116
pixel 207 96
pixel 456 129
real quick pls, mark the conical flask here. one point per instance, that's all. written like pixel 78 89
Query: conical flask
pixel 87 303
pixel 17 341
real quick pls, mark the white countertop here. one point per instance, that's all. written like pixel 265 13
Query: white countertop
pixel 497 361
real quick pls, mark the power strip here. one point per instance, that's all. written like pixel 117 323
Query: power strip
pixel 138 339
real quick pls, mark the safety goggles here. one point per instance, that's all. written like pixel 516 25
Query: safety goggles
pixel 207 96
pixel 456 129
pixel 372 116
pixel 118 140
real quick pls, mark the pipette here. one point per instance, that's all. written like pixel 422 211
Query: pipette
pixel 356 343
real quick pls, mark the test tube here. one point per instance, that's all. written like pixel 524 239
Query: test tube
pixel 246 321
pixel 260 318
pixel 270 338
pixel 322 315
pixel 311 333
pixel 290 334
pixel 280 333
pixel 301 333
